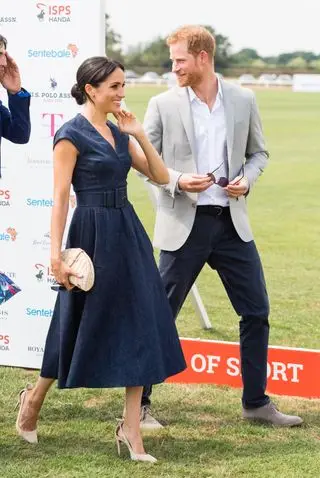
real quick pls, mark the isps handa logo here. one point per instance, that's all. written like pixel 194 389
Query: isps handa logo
pixel 43 274
pixel 4 342
pixel 58 13
pixel 5 197
pixel 9 235
pixel 7 288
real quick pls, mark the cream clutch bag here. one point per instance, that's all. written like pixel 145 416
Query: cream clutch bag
pixel 81 263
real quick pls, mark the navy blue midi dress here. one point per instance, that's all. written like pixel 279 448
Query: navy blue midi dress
pixel 122 332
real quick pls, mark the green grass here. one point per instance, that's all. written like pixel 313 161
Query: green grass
pixel 206 437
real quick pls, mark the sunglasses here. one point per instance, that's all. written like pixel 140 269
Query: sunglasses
pixel 223 181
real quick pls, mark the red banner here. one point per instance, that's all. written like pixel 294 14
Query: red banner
pixel 293 372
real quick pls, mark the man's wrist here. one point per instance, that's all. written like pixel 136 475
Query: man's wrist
pixel 178 189
pixel 22 93
pixel 13 91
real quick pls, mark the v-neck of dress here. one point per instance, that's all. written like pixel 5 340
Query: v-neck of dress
pixel 108 123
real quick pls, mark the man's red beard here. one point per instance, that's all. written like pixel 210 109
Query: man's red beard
pixel 189 79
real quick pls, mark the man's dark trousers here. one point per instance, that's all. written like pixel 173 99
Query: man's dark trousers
pixel 213 240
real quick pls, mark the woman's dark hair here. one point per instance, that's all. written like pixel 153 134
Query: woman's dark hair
pixel 93 71
pixel 3 41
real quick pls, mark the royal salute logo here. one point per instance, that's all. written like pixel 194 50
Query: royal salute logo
pixel 7 288
pixel 56 13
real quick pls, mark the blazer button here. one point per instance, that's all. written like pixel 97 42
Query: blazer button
pixel 194 204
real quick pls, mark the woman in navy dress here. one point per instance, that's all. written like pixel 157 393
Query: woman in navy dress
pixel 121 333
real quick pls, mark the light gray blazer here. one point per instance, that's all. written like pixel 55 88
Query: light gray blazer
pixel 169 126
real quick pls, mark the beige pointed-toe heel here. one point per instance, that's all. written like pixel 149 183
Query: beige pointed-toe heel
pixel 29 436
pixel 134 456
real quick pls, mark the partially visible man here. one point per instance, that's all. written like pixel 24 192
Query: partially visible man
pixel 210 136
pixel 15 121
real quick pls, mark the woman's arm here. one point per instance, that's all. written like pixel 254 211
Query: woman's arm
pixel 64 160
pixel 145 158
pixel 147 161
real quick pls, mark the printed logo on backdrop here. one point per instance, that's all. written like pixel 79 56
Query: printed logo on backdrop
pixel 56 13
pixel 70 51
pixel 5 197
pixel 51 122
pixel 51 94
pixel 44 203
pixel 39 202
pixel 8 288
pixel 43 274
pixel 4 342
pixel 41 162
pixel 6 20
pixel 35 350
pixel 4 314
pixel 42 243
pixel 37 312
pixel 8 235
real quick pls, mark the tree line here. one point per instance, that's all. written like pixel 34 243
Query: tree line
pixel 154 56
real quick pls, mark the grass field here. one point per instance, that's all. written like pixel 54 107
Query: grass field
pixel 206 437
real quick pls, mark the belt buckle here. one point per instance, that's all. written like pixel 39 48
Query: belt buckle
pixel 120 197
pixel 219 210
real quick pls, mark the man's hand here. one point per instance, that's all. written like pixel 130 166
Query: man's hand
pixel 10 76
pixel 238 187
pixel 194 183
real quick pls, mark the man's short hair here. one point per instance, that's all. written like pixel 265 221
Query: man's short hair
pixel 197 37
pixel 3 41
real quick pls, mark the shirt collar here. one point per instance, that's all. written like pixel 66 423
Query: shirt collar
pixel 193 96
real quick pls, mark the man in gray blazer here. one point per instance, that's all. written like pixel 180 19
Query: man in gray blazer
pixel 210 136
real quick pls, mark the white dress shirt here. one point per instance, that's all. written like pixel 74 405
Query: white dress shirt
pixel 211 145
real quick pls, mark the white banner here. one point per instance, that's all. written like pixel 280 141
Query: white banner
pixel 308 83
pixel 48 40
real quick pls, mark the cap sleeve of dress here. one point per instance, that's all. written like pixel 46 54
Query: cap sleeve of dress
pixel 71 134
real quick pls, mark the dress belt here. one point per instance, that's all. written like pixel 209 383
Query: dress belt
pixel 114 198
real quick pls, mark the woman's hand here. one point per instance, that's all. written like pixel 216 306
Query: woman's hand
pixel 128 123
pixel 62 272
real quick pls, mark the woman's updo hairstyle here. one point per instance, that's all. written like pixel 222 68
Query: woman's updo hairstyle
pixel 93 71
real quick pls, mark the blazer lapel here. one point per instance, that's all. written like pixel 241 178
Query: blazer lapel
pixel 229 116
pixel 184 108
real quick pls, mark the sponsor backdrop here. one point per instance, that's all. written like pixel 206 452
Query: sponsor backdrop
pixel 48 40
